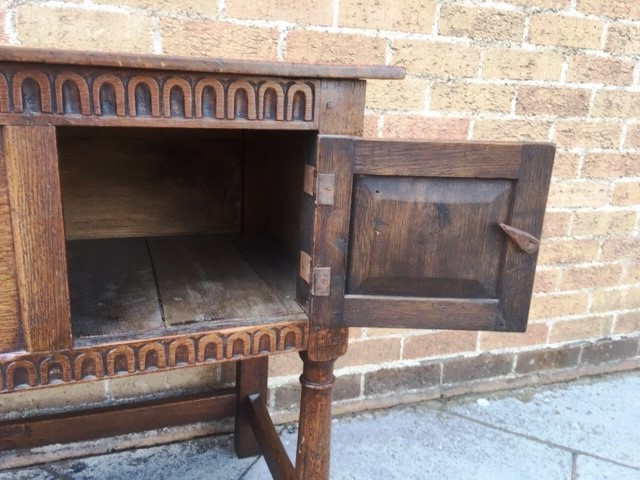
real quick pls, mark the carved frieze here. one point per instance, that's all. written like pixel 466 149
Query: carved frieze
pixel 109 96
pixel 23 370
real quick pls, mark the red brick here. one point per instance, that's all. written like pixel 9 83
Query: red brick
pixel 334 48
pixel 627 323
pixel 593 69
pixel 552 101
pixel 472 22
pixel 296 11
pixel 610 351
pixel 555 30
pixel 484 366
pixel 556 224
pixel 396 380
pixel 553 251
pixel 536 334
pixel 558 305
pixel 406 16
pixel 436 344
pixel 611 165
pixel 625 9
pixel 440 59
pixel 548 359
pixel 591 194
pixel 623 39
pixel 216 39
pixel 576 278
pixel 565 165
pixel 568 330
pixel 424 128
pixel 375 351
pixel 587 134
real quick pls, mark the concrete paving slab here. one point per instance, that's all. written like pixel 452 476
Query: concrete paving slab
pixel 598 416
pixel 584 430
pixel 589 468
pixel 211 457
pixel 420 442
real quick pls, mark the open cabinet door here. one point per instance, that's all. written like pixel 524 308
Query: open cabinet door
pixel 423 234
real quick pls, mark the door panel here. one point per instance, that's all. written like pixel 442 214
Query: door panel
pixel 430 243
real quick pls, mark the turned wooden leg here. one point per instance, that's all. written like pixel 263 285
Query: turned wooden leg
pixel 251 379
pixel 314 435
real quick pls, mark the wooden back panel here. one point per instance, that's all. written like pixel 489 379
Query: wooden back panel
pixel 149 182
pixel 10 331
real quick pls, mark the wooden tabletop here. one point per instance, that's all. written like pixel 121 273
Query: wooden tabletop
pixel 197 64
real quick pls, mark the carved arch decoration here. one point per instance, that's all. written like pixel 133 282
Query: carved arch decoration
pixel 118 88
pixel 211 339
pixel 81 87
pixel 43 85
pixel 151 348
pixel 29 367
pixel 257 341
pixel 244 339
pixel 218 90
pixel 96 362
pixel 285 332
pixel 4 95
pixel 114 354
pixel 88 356
pixel 241 85
pixel 154 93
pixel 185 88
pixel 262 100
pixel 307 93
pixel 181 343
pixel 55 359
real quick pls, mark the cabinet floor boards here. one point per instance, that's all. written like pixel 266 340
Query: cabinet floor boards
pixel 133 285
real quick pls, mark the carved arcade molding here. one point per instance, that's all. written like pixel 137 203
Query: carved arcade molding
pixel 145 97
pixel 23 371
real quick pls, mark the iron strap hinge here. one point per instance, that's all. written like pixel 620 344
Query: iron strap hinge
pixel 318 278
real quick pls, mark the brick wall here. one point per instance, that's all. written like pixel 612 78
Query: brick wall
pixel 565 71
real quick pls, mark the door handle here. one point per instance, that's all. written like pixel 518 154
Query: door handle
pixel 523 240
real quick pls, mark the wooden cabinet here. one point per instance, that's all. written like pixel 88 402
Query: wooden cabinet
pixel 160 213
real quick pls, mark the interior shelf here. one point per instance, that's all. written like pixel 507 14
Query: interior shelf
pixel 125 286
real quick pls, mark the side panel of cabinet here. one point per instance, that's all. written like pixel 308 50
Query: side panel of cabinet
pixel 10 330
pixel 30 157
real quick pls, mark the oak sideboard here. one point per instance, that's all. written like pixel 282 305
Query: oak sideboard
pixel 165 212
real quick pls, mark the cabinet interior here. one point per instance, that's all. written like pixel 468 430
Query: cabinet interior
pixel 180 229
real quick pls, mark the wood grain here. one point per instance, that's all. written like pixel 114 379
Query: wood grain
pixel 438 159
pixel 251 379
pixel 195 64
pixel 31 161
pixel 527 214
pixel 147 183
pixel 427 237
pixel 203 278
pixel 120 420
pixel 342 107
pixel 314 434
pixel 112 287
pixel 331 230
pixel 271 446
pixel 407 312
pixel 10 328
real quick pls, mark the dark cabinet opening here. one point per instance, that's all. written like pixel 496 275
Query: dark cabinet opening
pixel 180 230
